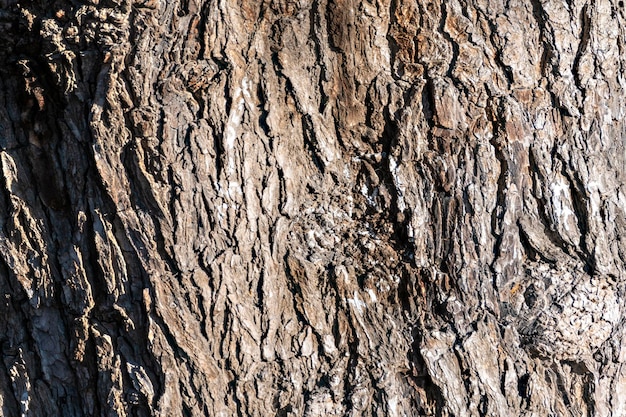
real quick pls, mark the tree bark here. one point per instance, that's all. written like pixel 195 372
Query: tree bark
pixel 312 208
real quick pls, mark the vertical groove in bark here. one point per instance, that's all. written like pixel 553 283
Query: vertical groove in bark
pixel 335 207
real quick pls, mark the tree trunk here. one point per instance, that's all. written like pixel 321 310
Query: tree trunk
pixel 312 208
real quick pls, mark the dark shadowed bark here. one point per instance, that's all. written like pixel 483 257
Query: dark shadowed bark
pixel 312 208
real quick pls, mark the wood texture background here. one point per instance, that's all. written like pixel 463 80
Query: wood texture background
pixel 312 208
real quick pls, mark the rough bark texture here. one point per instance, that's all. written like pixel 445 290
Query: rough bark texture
pixel 312 208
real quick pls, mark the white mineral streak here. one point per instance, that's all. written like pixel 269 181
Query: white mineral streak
pixel 233 124
pixel 357 303
pixel 560 200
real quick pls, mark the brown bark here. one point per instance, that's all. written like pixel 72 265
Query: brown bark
pixel 386 208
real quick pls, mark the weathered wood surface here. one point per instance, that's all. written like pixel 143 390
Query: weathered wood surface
pixel 296 208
